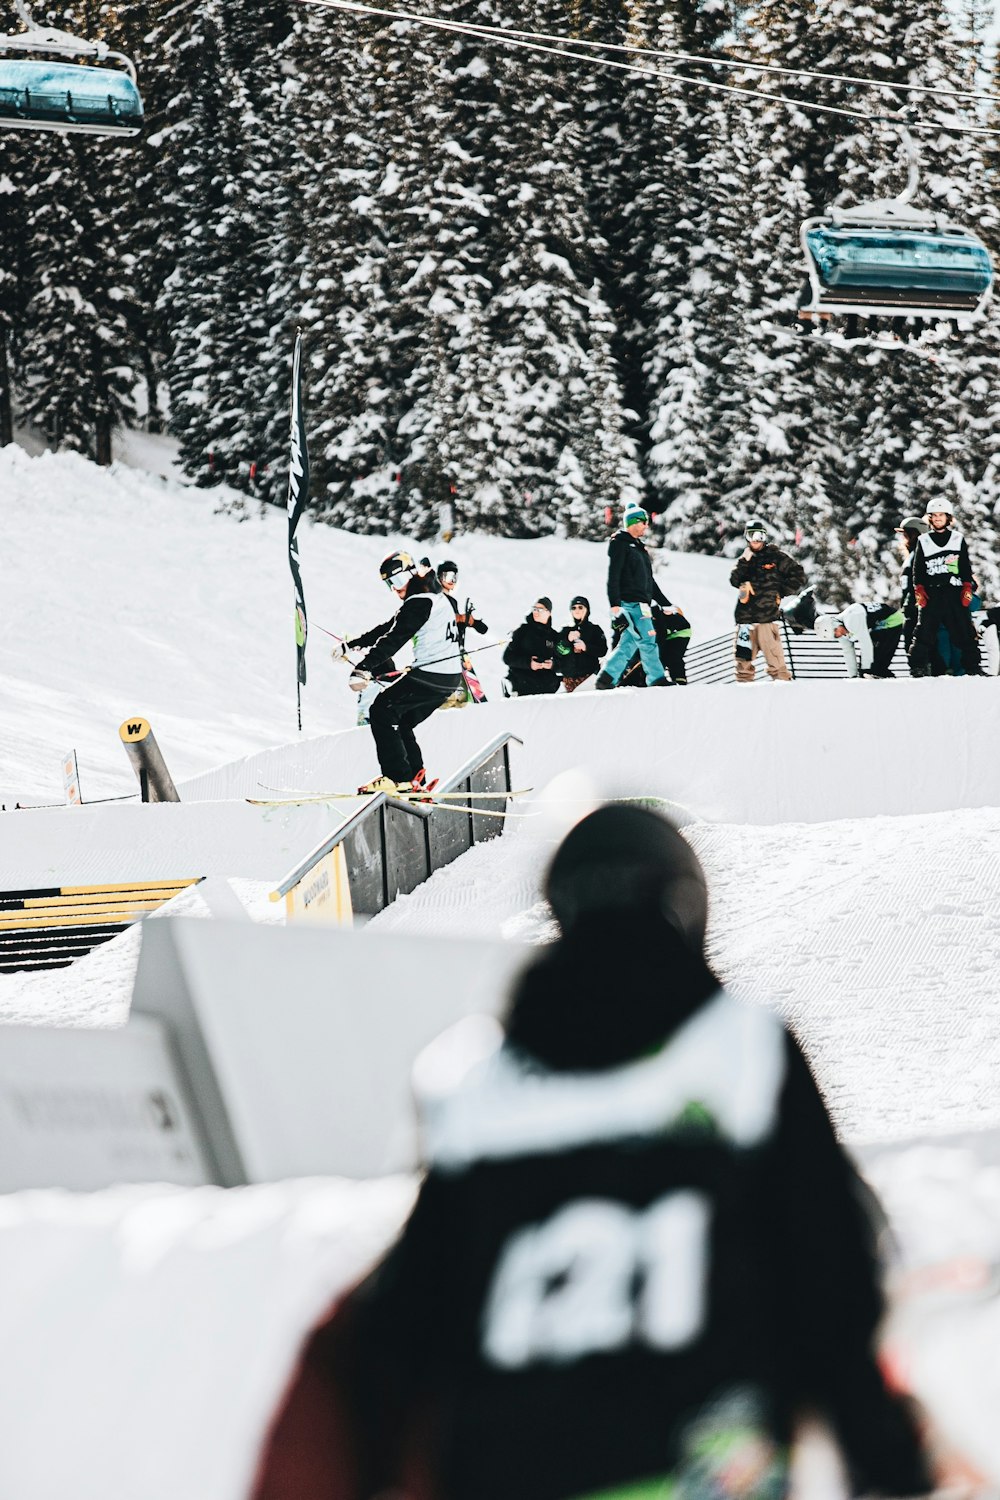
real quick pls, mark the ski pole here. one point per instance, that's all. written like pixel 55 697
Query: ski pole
pixel 391 676
pixel 501 642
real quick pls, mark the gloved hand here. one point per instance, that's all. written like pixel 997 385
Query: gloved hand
pixel 619 620
pixel 339 651
pixel 920 594
pixel 967 593
pixel 358 680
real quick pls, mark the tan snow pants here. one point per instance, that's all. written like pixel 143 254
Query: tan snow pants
pixel 766 638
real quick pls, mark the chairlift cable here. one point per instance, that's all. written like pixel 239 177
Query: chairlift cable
pixel 518 39
pixel 734 64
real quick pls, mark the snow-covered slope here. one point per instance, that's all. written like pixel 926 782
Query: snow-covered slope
pixel 876 938
pixel 126 592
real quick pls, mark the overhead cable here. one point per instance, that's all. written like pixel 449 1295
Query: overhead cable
pixel 520 39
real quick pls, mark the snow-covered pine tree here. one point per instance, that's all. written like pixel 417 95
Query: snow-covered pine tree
pixel 75 349
pixel 920 439
pixel 13 240
pixel 680 256
pixel 558 406
pixel 781 422
pixel 215 297
pixel 337 266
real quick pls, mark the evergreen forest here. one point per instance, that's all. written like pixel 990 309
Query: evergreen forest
pixel 532 285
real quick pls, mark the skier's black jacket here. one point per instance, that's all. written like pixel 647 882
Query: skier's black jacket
pixel 582 663
pixel 773 575
pixel 630 573
pixel 630 1208
pixel 532 640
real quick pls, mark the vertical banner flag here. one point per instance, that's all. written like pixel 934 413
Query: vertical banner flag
pixel 298 493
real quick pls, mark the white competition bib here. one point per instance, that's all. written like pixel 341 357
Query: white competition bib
pixel 435 645
pixel 942 560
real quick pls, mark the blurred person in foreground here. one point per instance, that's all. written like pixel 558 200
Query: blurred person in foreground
pixel 639 1254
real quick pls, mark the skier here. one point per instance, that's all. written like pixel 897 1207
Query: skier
pixel 762 575
pixel 465 619
pixel 869 634
pixel 943 590
pixel 582 643
pixel 426 618
pixel 909 531
pixel 532 653
pixel 639 1253
pixel 632 591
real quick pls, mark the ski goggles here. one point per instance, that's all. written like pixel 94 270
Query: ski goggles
pixel 756 536
pixel 448 577
pixel 401 579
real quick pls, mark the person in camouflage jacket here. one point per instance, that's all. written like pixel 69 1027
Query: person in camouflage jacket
pixel 763 575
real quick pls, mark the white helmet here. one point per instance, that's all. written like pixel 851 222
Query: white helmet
pixel 826 626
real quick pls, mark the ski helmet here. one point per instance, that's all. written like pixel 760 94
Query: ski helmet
pixel 938 508
pixel 397 569
pixel 826 627
pixel 628 859
pixel 913 523
pixel 446 567
pixel 755 530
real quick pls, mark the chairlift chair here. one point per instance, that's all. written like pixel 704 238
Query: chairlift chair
pixel 888 259
pixel 84 99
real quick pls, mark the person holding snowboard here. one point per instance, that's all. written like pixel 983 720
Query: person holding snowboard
pixel 426 619
pixel 763 575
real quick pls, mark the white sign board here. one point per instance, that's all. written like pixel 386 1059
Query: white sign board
pixel 298 1042
pixel 86 1109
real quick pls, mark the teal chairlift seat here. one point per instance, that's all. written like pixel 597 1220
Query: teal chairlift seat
pixel 51 93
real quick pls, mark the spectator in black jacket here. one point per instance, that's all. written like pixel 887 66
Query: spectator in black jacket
pixel 909 531
pixel 582 644
pixel 532 653
pixel 763 575
pixel 639 1254
pixel 632 592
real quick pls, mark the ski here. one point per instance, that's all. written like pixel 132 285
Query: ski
pixel 292 800
pixel 473 686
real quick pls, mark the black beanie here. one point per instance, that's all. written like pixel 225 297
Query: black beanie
pixel 580 600
pixel 543 599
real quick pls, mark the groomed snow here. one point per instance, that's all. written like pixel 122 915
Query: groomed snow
pixel 876 938
pixel 146 1333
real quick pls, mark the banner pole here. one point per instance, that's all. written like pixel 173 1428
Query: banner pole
pixel 298 495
